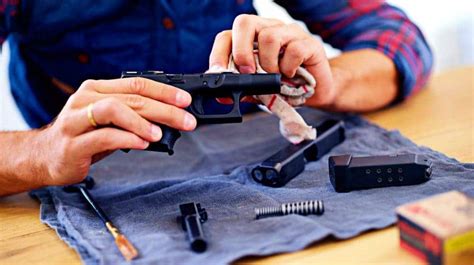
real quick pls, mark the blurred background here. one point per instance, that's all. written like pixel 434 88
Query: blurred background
pixel 447 25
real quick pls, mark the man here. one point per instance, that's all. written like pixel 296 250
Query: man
pixel 58 46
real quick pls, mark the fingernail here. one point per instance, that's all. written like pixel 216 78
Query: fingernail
pixel 145 144
pixel 189 121
pixel 246 69
pixel 182 98
pixel 156 132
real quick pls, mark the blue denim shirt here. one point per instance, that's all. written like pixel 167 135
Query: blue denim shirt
pixel 77 40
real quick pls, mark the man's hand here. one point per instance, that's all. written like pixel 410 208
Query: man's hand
pixel 62 153
pixel 282 49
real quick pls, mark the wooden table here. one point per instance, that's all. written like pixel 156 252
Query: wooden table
pixel 440 117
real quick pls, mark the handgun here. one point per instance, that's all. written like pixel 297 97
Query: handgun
pixel 209 86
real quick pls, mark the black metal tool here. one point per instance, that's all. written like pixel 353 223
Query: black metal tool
pixel 348 173
pixel 283 166
pixel 191 218
pixel 209 86
pixel 125 247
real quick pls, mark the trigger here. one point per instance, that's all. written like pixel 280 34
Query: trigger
pixel 197 105
pixel 236 99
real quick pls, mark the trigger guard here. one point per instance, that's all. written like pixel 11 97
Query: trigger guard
pixel 233 116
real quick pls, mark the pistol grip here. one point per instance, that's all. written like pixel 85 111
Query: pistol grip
pixel 166 144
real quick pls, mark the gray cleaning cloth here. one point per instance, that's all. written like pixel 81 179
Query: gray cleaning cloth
pixel 141 191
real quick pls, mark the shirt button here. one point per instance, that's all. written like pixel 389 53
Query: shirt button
pixel 83 58
pixel 168 23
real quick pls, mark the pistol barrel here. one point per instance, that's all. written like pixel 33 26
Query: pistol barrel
pixel 195 234
pixel 191 218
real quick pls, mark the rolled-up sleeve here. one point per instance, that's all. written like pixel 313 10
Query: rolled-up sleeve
pixel 359 24
pixel 9 17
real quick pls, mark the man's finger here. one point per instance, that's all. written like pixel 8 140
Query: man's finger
pixel 108 109
pixel 244 30
pixel 318 65
pixel 219 58
pixel 112 112
pixel 106 139
pixel 271 40
pixel 159 112
pixel 295 54
pixel 141 86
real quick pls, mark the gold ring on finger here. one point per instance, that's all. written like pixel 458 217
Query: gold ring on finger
pixel 90 115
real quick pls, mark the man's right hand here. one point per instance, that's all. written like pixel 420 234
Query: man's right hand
pixel 123 109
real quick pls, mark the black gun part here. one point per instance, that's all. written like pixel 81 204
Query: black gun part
pixel 192 216
pixel 283 166
pixel 302 208
pixel 209 86
pixel 348 173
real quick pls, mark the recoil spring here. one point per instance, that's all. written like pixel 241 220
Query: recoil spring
pixel 302 208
